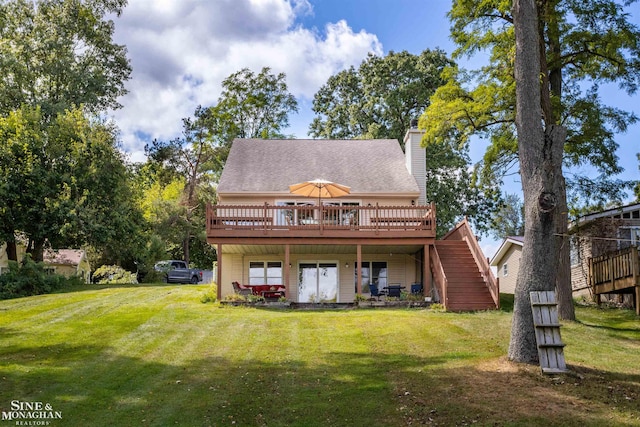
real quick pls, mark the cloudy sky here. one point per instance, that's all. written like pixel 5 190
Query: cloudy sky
pixel 181 50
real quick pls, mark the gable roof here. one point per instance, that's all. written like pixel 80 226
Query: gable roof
pixel 505 246
pixel 270 166
pixel 63 256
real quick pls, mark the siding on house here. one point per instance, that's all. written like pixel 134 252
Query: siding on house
pixel 508 255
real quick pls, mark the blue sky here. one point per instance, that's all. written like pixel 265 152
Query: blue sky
pixel 182 50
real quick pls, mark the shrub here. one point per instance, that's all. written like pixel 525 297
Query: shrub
pixel 113 275
pixel 30 278
pixel 211 295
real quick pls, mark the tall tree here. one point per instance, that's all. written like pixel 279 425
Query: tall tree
pixel 254 105
pixel 582 46
pixel 540 151
pixel 189 161
pixel 65 181
pixel 55 56
pixel 60 54
pixel 380 98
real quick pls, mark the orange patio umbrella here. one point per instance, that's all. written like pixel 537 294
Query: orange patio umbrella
pixel 319 188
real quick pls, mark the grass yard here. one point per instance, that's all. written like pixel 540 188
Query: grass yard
pixel 155 355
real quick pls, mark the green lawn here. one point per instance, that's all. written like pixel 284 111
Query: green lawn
pixel 155 355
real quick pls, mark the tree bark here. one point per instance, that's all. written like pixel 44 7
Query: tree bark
pixel 540 153
pixel 564 290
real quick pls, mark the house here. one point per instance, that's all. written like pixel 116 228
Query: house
pixel 381 234
pixel 4 259
pixel 604 254
pixel 66 262
pixel 507 263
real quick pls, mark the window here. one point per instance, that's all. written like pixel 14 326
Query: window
pixel 629 236
pixel 372 272
pixel 265 273
pixel 505 269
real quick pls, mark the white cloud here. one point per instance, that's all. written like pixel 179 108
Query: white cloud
pixel 181 51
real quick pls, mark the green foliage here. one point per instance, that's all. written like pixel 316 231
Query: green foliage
pixel 508 219
pixel 30 278
pixel 587 44
pixel 59 55
pixel 113 275
pixel 254 105
pixel 380 98
pixel 65 181
pixel 211 295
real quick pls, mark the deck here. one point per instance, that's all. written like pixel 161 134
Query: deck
pixel 616 272
pixel 225 222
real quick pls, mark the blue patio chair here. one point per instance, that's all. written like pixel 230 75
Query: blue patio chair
pixel 375 292
pixel 416 288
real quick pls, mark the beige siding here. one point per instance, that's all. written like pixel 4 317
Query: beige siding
pixel 401 269
pixel 512 260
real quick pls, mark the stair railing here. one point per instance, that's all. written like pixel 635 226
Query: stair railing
pixel 462 231
pixel 440 279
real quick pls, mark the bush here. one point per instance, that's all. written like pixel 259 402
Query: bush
pixel 113 275
pixel 211 295
pixel 30 278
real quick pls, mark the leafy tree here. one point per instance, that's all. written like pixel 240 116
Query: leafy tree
pixel 540 149
pixel 55 56
pixel 508 219
pixel 65 182
pixel 253 105
pixel 583 45
pixel 188 162
pixel 59 54
pixel 380 98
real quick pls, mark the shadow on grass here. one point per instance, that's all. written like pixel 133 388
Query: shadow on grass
pixel 93 385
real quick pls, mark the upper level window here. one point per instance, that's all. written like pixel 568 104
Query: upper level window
pixel 629 236
pixel 505 269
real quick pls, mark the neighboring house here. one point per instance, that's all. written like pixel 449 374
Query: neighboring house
pixel 66 262
pixel 602 243
pixel 507 262
pixel 381 233
pixel 4 259
pixel 604 238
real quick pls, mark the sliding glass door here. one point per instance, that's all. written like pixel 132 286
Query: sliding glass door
pixel 318 282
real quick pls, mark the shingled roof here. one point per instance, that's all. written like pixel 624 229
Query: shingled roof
pixel 270 166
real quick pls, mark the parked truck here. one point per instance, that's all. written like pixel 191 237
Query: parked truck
pixel 176 271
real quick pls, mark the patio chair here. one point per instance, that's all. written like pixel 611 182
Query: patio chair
pixel 376 292
pixel 239 289
pixel 416 288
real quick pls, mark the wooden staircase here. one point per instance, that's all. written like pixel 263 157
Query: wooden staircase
pixel 466 289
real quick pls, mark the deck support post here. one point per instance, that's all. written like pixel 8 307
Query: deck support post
pixel 359 268
pixel 219 270
pixel 287 269
pixel 426 272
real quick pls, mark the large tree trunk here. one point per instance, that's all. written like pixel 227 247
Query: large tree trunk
pixel 540 154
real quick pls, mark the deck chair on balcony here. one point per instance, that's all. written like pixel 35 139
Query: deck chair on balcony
pixel 240 290
pixel 376 292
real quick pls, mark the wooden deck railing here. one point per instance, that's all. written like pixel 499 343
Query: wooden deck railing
pixel 311 217
pixel 615 267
